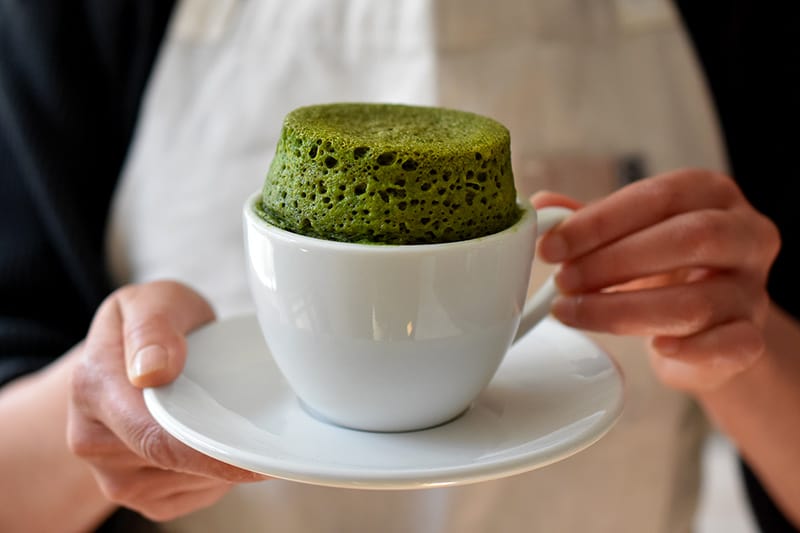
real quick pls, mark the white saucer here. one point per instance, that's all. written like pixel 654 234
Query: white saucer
pixel 555 394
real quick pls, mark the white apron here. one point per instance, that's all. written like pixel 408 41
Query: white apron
pixel 579 86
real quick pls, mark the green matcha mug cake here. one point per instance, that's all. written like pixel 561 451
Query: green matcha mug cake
pixel 392 174
pixel 365 332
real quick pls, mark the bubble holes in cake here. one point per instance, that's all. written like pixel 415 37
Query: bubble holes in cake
pixel 393 174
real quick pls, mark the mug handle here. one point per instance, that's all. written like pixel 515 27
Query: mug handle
pixel 538 306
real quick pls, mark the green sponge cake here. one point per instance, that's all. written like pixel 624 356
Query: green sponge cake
pixel 391 174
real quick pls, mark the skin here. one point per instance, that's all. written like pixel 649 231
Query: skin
pixel 36 408
pixel 696 288
pixel 114 453
pixel 137 340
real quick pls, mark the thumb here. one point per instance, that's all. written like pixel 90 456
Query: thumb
pixel 155 319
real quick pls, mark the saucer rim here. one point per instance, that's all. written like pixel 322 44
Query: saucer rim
pixel 406 478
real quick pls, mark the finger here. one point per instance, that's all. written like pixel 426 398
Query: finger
pixel 675 310
pixel 707 238
pixel 182 503
pixel 126 485
pixel 144 437
pixel 550 247
pixel 676 277
pixel 162 483
pixel 550 199
pixel 705 361
pixel 155 319
pixel 637 206
pixel 90 439
pixel 123 435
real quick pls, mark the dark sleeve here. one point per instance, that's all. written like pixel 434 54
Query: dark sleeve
pixel 71 78
pixel 750 53
pixel 751 57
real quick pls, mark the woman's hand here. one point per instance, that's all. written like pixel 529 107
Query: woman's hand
pixel 682 258
pixel 137 340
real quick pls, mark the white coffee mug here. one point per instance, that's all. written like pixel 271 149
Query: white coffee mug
pixel 393 337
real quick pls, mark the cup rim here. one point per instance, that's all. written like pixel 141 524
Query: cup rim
pixel 525 221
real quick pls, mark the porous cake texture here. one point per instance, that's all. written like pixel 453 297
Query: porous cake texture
pixel 392 174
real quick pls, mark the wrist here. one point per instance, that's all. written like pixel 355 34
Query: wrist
pixel 36 406
pixel 758 408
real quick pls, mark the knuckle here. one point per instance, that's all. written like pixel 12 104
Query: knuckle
pixel 695 312
pixel 154 446
pixel 661 192
pixel 81 442
pixel 760 307
pixel 721 186
pixel 162 511
pixel 126 292
pixel 80 438
pixel 142 330
pixel 159 513
pixel 704 233
pixel 601 228
pixel 717 181
pixel 672 373
pixel 749 340
pixel 769 236
pixel 672 189
pixel 86 436
pixel 91 441
pixel 672 379
pixel 118 489
pixel 82 381
pixel 111 301
pixel 763 236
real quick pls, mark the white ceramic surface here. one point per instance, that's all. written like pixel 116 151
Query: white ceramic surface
pixel 366 334
pixel 555 394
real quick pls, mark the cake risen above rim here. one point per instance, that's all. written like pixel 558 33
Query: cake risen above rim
pixel 392 174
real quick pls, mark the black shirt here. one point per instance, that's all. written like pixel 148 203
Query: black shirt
pixel 751 57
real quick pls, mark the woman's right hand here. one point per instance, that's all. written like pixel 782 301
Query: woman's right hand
pixel 137 340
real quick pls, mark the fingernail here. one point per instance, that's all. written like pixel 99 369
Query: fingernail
pixel 553 248
pixel 568 279
pixel 565 308
pixel 149 360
